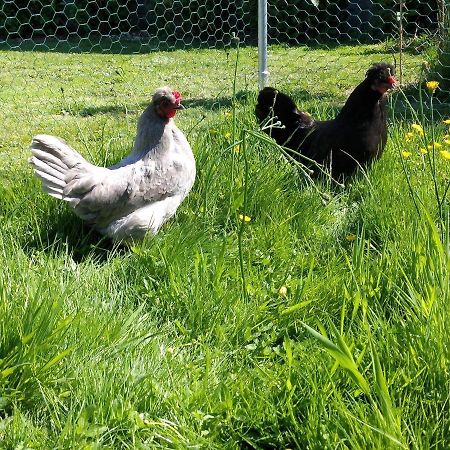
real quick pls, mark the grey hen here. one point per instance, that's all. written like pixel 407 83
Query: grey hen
pixel 136 195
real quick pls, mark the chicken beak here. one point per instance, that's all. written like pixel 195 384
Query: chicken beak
pixel 179 106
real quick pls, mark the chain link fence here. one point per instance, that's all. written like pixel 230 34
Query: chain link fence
pixel 121 25
pixel 414 35
pixel 403 31
pixel 316 22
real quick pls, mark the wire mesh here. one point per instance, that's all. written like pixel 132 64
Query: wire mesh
pixel 403 28
pixel 137 25
pixel 342 33
pixel 412 34
pixel 64 63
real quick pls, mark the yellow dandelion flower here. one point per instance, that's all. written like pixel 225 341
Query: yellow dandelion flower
pixel 244 218
pixel 446 141
pixel 445 154
pixel 446 136
pixel 237 148
pixel 446 121
pixel 423 150
pixel 418 128
pixel 227 113
pixel 282 291
pixel 432 86
pixel 409 136
pixel 227 135
pixel 406 154
pixel 434 145
pixel 350 237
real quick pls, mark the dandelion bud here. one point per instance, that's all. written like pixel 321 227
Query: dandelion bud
pixel 282 291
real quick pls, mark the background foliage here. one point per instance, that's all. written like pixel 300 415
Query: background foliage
pixel 293 21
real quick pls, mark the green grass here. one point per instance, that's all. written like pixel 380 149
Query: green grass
pixel 163 345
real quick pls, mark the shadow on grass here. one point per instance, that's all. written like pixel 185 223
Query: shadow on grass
pixel 114 45
pixel 216 103
pixel 95 110
pixel 68 234
pixel 139 44
pixel 210 104
pixel 331 106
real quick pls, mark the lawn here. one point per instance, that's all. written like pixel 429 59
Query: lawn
pixel 319 323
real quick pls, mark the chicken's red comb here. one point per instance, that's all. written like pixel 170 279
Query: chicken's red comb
pixel 392 80
pixel 177 95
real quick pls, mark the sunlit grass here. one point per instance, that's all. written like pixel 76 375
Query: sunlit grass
pixel 269 313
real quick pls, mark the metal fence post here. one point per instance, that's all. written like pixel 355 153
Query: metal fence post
pixel 262 44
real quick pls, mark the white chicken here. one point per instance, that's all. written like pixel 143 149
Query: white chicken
pixel 136 195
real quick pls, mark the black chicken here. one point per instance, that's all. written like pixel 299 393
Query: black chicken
pixel 353 139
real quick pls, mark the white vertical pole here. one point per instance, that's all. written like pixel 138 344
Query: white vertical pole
pixel 262 44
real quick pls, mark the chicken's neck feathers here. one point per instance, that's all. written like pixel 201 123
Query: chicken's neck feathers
pixel 153 139
pixel 151 132
pixel 362 102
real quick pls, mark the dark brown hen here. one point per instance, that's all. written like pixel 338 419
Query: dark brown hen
pixel 354 138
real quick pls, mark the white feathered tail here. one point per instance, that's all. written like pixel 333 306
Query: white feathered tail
pixel 58 166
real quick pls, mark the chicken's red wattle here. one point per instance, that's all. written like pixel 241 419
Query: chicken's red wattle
pixel 171 114
pixel 392 80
